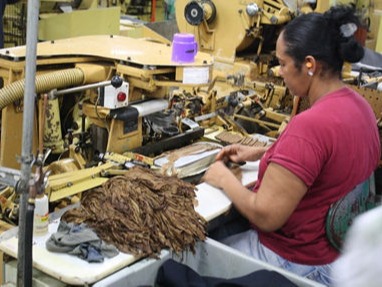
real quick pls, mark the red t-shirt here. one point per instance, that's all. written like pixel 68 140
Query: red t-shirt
pixel 331 147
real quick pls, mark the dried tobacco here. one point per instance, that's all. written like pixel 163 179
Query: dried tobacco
pixel 232 138
pixel 142 212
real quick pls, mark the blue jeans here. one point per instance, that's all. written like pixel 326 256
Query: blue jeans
pixel 248 242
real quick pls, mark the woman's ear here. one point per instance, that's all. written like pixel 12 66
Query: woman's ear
pixel 310 64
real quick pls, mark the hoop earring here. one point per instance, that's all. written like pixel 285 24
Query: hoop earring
pixel 310 73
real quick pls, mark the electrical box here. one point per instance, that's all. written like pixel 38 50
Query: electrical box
pixel 114 98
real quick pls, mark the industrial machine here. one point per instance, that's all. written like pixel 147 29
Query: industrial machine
pixel 104 98
pixel 243 51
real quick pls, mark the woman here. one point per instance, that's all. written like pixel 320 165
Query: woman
pixel 323 153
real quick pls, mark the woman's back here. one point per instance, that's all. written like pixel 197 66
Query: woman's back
pixel 331 147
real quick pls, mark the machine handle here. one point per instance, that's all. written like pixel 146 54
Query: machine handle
pixel 196 48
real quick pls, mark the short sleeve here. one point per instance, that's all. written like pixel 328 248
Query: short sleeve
pixel 300 155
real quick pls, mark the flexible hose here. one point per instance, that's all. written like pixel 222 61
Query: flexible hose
pixel 44 83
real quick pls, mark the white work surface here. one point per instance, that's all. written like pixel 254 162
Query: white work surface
pixel 69 269
pixel 212 202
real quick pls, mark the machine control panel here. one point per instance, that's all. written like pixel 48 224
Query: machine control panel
pixel 115 97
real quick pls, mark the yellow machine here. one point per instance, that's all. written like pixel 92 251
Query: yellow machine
pixel 100 99
pixel 77 18
pixel 59 19
pixel 243 50
pixel 248 22
pixel 244 60
pixel 110 86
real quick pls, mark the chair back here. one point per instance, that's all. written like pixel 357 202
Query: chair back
pixel 342 213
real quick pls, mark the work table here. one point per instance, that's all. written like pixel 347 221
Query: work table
pixel 211 203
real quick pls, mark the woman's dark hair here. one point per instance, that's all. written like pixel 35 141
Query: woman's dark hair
pixel 325 36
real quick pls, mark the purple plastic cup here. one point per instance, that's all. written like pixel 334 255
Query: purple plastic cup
pixel 184 48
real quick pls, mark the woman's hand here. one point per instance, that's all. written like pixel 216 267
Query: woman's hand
pixel 218 174
pixel 240 153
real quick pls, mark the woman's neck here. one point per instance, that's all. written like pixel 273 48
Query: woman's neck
pixel 320 88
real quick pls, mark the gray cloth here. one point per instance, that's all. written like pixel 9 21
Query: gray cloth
pixel 81 241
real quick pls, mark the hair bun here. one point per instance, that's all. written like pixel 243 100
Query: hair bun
pixel 352 51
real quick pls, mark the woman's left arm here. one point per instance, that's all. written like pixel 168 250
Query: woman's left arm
pixel 270 207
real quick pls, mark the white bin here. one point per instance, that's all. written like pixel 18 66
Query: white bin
pixel 211 258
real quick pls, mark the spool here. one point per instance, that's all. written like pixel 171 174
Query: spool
pixel 41 215
pixel 184 48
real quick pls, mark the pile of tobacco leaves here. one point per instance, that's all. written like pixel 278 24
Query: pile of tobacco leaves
pixel 142 212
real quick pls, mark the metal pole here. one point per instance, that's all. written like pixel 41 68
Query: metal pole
pixel 81 88
pixel 24 263
pixel 153 10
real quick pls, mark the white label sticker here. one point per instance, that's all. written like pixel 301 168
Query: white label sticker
pixel 196 75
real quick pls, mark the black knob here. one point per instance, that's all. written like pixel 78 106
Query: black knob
pixel 116 81
pixel 194 13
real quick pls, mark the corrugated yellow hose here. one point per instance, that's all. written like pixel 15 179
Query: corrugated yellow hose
pixel 44 83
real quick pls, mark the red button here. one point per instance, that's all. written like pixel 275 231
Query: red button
pixel 121 96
